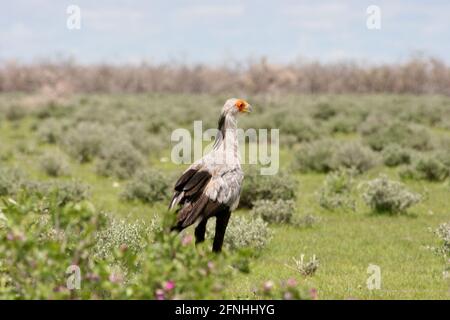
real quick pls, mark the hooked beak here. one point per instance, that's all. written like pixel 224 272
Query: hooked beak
pixel 248 108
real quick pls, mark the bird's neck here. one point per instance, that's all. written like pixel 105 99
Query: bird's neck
pixel 227 137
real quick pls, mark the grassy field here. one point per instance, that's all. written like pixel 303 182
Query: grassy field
pixel 345 241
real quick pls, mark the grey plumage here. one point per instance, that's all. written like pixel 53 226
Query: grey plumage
pixel 211 186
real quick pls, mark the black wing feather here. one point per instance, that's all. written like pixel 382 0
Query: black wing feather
pixel 184 179
pixel 198 178
pixel 192 183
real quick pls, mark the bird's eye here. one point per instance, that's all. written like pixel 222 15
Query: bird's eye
pixel 240 105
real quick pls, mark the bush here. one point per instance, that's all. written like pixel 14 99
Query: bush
pixel 374 123
pixel 11 181
pixel 303 130
pixel 316 156
pixel 64 192
pixel 42 244
pixel 336 191
pixel 50 131
pixel 431 169
pixel 353 155
pixel 395 155
pixel 328 155
pixel 443 233
pixel 443 155
pixel 246 232
pixel 54 165
pixel 404 134
pixel 148 186
pixel 84 142
pixel 343 124
pixel 279 211
pixel 15 112
pixel 119 159
pixel 306 268
pixel 259 187
pixel 426 168
pixel 27 148
pixel 140 137
pixel 324 111
pixel 6 155
pixel 384 195
pixel 120 234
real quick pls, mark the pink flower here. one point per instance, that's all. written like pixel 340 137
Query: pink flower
pixel 268 285
pixel 116 277
pixel 169 285
pixel 291 282
pixel 210 265
pixel 287 296
pixel 313 293
pixel 159 294
pixel 187 239
pixel 13 237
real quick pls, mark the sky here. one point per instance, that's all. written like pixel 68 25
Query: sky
pixel 216 32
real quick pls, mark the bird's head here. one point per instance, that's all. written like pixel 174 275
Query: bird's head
pixel 235 106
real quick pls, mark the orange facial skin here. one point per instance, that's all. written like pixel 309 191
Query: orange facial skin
pixel 241 104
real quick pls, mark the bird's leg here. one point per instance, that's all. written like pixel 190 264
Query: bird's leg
pixel 221 226
pixel 200 231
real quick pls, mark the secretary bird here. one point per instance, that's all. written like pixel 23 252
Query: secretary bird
pixel 211 186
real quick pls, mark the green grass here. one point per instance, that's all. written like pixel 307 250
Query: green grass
pixel 345 242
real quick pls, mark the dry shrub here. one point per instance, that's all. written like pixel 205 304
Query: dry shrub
pixel 418 75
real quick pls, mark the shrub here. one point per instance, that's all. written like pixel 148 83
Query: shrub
pixel 403 134
pixel 395 155
pixel 279 211
pixel 50 131
pixel 11 181
pixel 119 159
pixel 245 232
pixel 84 142
pixel 303 130
pixel 258 187
pixel 65 192
pixel 120 234
pixel 324 111
pixel 27 148
pixel 355 156
pixel 384 195
pixel 316 156
pixel 336 191
pixel 374 123
pixel 15 112
pixel 140 137
pixel 328 155
pixel 431 169
pixel 148 186
pixel 38 249
pixel 426 168
pixel 343 124
pixel 306 268
pixel 35 251
pixel 443 233
pixel 443 155
pixel 54 165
